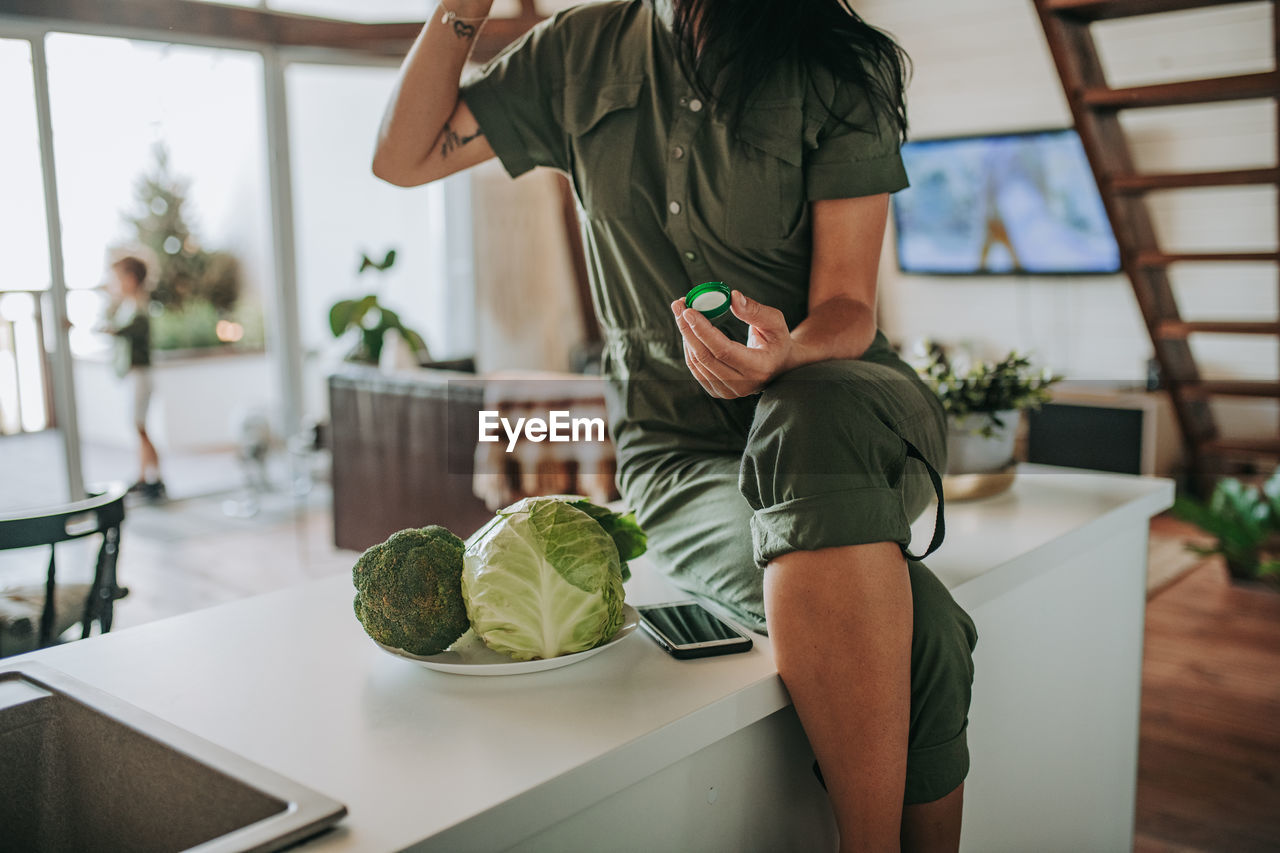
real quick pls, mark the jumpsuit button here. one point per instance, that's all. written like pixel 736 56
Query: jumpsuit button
pixel 674 207
pixel 690 256
pixel 684 102
pixel 678 152
pixel 695 105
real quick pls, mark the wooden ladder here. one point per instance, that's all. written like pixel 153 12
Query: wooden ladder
pixel 1095 107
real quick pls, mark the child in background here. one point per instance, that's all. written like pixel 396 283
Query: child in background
pixel 130 323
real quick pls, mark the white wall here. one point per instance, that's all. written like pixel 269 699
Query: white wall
pixel 196 406
pixel 983 66
pixel 526 306
pixel 341 210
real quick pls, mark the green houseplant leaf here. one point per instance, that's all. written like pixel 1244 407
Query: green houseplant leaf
pixel 340 316
pixel 389 320
pixel 986 388
pixel 371 319
pixel 347 313
pixel 1243 519
pixel 415 340
pixel 1271 491
pixel 367 263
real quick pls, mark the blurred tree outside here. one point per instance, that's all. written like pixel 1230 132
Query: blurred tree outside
pixel 196 293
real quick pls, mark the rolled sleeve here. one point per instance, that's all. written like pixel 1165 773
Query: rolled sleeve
pixel 515 99
pixel 858 154
pixel 853 178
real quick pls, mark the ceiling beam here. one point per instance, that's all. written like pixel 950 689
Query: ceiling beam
pixel 256 26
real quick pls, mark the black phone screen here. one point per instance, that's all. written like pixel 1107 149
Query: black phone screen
pixel 686 624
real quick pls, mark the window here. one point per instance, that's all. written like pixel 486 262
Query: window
pixel 24 246
pixel 23 239
pixel 358 10
pixel 189 120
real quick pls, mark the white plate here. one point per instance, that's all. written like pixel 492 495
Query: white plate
pixel 470 656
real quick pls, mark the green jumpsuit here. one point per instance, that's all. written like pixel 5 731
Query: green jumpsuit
pixel 670 197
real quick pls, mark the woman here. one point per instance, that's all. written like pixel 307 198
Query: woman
pixel 769 462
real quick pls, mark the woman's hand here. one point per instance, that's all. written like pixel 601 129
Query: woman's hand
pixel 726 368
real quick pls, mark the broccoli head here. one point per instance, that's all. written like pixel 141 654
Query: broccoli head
pixel 409 591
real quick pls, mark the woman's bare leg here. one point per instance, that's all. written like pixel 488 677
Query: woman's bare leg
pixel 840 625
pixel 933 827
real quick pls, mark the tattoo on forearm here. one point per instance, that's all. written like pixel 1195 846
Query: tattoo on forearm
pixel 463 30
pixel 453 141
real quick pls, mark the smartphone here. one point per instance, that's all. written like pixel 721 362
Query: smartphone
pixel 686 629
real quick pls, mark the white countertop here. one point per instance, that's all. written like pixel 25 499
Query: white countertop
pixel 290 680
pixel 996 544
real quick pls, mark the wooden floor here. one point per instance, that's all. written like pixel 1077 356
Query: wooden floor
pixel 185 555
pixel 1209 753
pixel 193 554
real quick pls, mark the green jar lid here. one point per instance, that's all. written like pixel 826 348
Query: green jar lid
pixel 711 298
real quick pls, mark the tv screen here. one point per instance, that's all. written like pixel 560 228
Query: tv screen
pixel 1017 203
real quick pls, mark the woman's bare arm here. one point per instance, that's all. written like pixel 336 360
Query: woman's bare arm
pixel 847 236
pixel 427 131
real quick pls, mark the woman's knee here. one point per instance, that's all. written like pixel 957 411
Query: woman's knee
pixel 824 429
pixel 821 388
pixel 843 399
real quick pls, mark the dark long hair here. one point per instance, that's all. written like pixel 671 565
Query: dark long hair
pixel 755 35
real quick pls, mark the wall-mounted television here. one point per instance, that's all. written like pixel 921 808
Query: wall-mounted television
pixel 1014 203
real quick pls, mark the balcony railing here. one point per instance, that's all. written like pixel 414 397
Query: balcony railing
pixel 26 390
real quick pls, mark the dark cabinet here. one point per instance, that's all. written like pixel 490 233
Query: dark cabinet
pixel 403 452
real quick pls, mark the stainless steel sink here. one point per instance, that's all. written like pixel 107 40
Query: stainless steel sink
pixel 83 771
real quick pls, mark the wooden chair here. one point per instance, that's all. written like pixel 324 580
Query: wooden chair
pixel 101 513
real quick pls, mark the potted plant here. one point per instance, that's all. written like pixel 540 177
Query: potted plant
pixel 372 321
pixel 1245 521
pixel 984 402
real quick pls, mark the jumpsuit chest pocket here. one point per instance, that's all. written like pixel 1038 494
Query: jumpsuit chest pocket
pixel 766 184
pixel 602 120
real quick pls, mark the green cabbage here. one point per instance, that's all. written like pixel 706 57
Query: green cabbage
pixel 543 579
pixel 625 530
